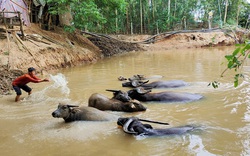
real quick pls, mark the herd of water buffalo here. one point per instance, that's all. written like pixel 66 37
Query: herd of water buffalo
pixel 129 101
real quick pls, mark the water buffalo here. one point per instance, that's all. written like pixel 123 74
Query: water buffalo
pixel 132 125
pixel 120 102
pixel 155 84
pixel 143 94
pixel 121 78
pixel 75 113
pixel 139 77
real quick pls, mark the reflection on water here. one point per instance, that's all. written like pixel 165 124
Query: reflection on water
pixel 27 128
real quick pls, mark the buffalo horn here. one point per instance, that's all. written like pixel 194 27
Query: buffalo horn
pixel 138 83
pixel 126 125
pixel 112 90
pixel 157 122
pixel 72 106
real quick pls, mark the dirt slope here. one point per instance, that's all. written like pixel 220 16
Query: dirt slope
pixel 47 50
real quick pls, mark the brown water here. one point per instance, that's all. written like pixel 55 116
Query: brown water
pixel 27 128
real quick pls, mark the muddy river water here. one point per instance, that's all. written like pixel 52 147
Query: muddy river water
pixel 223 115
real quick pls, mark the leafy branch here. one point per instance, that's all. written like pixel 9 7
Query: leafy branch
pixel 235 61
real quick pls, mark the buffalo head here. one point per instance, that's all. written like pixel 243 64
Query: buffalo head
pixel 120 95
pixel 133 106
pixel 134 83
pixel 63 111
pixel 136 93
pixel 137 77
pixel 121 78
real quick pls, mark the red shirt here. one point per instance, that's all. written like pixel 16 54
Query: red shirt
pixel 24 79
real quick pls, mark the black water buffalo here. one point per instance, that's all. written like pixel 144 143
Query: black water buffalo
pixel 132 125
pixel 155 84
pixel 139 77
pixel 75 113
pixel 142 94
pixel 119 102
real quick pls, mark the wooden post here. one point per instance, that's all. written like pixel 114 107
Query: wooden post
pixel 21 25
pixel 210 16
pixel 7 34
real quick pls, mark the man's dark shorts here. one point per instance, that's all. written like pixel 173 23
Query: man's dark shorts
pixel 24 87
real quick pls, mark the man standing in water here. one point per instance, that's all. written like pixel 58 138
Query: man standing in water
pixel 21 82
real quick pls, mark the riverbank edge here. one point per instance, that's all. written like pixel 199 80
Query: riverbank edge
pixel 48 51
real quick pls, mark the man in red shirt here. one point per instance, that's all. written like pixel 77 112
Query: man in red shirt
pixel 21 82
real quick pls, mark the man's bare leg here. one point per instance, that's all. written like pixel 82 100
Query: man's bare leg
pixel 17 98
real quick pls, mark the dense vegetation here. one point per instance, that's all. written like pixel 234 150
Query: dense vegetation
pixel 150 16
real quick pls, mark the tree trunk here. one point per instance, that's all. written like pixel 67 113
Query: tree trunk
pixel 127 25
pixel 220 13
pixel 153 13
pixel 175 8
pixel 238 12
pixel 153 10
pixel 116 21
pixel 225 16
pixel 169 4
pixel 66 18
pixel 141 15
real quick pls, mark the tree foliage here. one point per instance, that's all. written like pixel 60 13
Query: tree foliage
pixel 235 61
pixel 150 16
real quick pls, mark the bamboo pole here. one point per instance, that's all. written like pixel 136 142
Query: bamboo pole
pixel 21 24
pixel 20 41
pixel 7 34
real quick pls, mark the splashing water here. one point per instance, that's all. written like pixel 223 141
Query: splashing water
pixel 58 88
pixel 196 146
pixel 60 82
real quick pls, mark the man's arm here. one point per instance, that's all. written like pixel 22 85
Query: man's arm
pixel 36 79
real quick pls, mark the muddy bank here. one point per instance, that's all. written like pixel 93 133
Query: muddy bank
pixel 188 39
pixel 6 78
pixel 110 47
pixel 47 50
pixel 57 49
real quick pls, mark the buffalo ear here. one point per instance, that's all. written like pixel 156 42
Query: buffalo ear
pixel 148 126
pixel 132 105
pixel 121 121
pixel 141 90
pixel 135 83
pixel 73 111
pixel 138 83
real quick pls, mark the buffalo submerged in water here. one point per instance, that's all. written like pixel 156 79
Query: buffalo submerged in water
pixel 132 125
pixel 81 113
pixel 119 102
pixel 155 84
pixel 144 95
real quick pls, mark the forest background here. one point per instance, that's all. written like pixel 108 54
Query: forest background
pixel 149 16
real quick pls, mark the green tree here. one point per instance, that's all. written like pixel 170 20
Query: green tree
pixel 147 16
